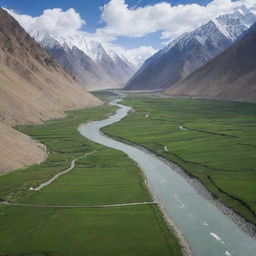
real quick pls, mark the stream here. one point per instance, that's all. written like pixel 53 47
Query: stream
pixel 208 231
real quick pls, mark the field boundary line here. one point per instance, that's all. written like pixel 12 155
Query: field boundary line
pixel 77 206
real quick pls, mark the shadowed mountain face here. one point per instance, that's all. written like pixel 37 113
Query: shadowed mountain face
pixel 191 51
pixel 82 66
pixel 33 86
pixel 93 64
pixel 229 76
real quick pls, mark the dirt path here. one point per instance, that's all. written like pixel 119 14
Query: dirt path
pixel 73 164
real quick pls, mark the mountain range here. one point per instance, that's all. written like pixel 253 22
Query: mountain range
pixel 191 50
pixel 229 76
pixel 94 64
pixel 42 76
pixel 33 88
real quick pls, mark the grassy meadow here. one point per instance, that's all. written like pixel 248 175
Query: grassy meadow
pixel 104 177
pixel 214 141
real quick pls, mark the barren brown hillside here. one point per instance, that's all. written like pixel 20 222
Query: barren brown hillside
pixel 33 87
pixel 18 150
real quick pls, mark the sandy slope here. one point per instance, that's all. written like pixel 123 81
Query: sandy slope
pixel 33 88
pixel 18 150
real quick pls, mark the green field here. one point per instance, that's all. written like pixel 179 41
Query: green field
pixel 104 177
pixel 212 140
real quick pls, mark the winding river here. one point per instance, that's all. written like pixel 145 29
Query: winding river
pixel 208 231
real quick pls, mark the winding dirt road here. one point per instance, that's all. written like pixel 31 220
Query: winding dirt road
pixel 73 164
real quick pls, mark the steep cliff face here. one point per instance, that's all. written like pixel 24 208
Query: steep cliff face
pixel 229 76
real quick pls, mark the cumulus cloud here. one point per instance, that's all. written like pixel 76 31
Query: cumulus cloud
pixel 58 22
pixel 172 21
pixel 120 20
pixel 137 55
pixel 54 21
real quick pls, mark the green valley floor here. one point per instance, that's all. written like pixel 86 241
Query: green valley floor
pixel 214 141
pixel 104 177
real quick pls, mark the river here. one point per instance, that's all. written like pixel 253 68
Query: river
pixel 208 231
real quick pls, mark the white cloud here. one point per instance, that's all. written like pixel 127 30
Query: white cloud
pixel 172 21
pixel 68 23
pixel 137 55
pixel 120 20
pixel 54 21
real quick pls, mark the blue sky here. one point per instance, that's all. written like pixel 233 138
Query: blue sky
pixel 90 12
pixel 138 27
pixel 88 9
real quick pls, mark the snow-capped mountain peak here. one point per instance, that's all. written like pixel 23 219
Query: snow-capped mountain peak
pixel 45 39
pixel 94 49
pixel 92 62
pixel 231 26
pixel 192 50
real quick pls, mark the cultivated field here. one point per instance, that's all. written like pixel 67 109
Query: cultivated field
pixel 105 177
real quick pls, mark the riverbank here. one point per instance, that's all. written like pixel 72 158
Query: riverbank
pixel 201 222
pixel 205 227
pixel 242 223
pixel 212 141
pixel 186 249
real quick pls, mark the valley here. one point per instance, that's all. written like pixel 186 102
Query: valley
pixel 106 188
pixel 105 177
pixel 128 128
pixel 186 204
pixel 211 140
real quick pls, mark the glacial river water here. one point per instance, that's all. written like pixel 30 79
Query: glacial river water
pixel 208 231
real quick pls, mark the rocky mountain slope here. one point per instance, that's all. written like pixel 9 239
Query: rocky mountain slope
pixel 94 64
pixel 33 87
pixel 191 51
pixel 229 76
